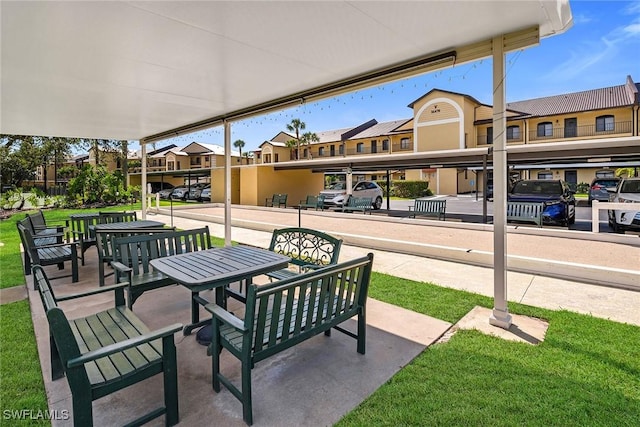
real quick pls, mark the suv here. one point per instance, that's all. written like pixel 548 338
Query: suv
pixel 336 195
pixel 599 189
pixel 627 191
pixel 558 198
pixel 196 190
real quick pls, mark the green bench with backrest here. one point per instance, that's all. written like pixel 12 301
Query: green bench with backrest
pixel 131 256
pixel 40 227
pixel 44 254
pixel 79 230
pixel 308 249
pixel 525 212
pixel 281 314
pixel 279 200
pixel 107 351
pixel 111 217
pixel 425 207
pixel 103 239
pixel 364 204
pixel 312 202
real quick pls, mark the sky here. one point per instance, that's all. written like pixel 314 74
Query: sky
pixel 600 50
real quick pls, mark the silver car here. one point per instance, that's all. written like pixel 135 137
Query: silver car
pixel 336 195
pixel 599 189
pixel 627 191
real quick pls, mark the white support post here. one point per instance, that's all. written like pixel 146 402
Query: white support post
pixel 595 217
pixel 500 316
pixel 143 190
pixel 227 183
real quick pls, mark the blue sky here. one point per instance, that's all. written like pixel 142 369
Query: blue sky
pixel 599 50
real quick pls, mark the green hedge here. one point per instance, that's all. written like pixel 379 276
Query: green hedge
pixel 407 189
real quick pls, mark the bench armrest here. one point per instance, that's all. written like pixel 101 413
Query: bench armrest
pixel 120 267
pixel 93 292
pixel 411 208
pixel 108 350
pixel 228 318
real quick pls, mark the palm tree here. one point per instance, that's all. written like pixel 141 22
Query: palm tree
pixel 296 126
pixel 307 138
pixel 293 151
pixel 239 144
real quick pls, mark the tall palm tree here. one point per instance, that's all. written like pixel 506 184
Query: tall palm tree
pixel 307 138
pixel 296 126
pixel 238 143
pixel 293 151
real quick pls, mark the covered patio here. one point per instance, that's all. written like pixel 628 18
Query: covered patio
pixel 148 71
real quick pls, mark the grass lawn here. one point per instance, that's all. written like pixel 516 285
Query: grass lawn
pixel 586 372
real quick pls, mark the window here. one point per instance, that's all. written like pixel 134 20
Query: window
pixel 360 147
pixel 196 160
pixel 604 124
pixel 276 157
pixel 374 177
pixel 321 151
pixel 206 159
pixel 341 150
pixel 385 145
pixel 404 144
pixel 545 175
pixel 170 165
pixel 490 135
pixel 545 129
pixel 267 158
pixel 513 132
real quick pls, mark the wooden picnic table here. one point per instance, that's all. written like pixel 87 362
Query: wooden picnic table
pixel 216 268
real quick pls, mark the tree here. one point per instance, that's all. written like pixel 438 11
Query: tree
pixel 239 144
pixel 293 151
pixel 628 172
pixel 307 138
pixel 296 126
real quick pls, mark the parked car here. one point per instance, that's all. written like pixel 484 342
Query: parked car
pixel 156 187
pixel 166 193
pixel 206 194
pixel 558 198
pixel 599 189
pixel 627 191
pixel 196 190
pixel 180 193
pixel 336 195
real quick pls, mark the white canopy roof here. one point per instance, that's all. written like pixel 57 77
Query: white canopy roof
pixel 129 70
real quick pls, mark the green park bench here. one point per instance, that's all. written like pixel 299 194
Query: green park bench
pixel 281 314
pixel 131 256
pixel 364 204
pixel 425 207
pixel 279 200
pixel 525 212
pixel 312 202
pixel 108 351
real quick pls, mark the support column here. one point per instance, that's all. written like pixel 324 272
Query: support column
pixel 227 183
pixel 143 190
pixel 500 316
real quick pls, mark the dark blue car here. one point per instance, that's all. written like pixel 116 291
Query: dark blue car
pixel 558 198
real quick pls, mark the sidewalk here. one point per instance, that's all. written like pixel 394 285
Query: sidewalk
pixel 606 258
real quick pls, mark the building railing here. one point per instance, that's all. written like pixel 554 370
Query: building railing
pixel 402 147
pixel 582 131
pixel 562 132
pixel 138 169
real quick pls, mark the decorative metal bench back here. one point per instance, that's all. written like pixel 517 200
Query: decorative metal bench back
pixel 306 246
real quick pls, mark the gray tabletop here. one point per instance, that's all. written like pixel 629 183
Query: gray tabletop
pixel 127 225
pixel 219 266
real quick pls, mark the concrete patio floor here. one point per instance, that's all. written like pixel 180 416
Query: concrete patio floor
pixel 314 383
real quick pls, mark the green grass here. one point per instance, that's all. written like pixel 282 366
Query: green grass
pixel 20 373
pixel 586 372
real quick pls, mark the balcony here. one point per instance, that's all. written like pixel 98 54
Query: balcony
pixel 587 131
pixel 483 139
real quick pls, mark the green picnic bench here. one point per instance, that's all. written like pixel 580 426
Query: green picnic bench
pixel 426 207
pixel 525 212
pixel 312 202
pixel 279 200
pixel 284 313
pixel 364 204
pixel 308 249
pixel 131 256
pixel 104 238
pixel 44 252
pixel 108 351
